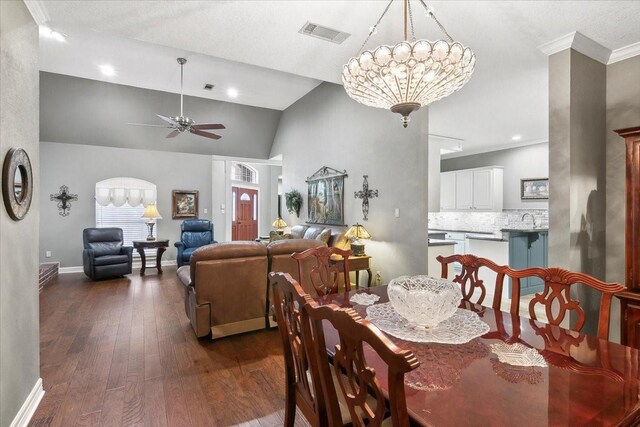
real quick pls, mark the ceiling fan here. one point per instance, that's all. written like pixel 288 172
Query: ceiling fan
pixel 182 123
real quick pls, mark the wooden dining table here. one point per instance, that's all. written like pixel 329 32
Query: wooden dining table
pixel 588 381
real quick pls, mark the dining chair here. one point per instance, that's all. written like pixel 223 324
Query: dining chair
pixel 330 262
pixel 303 386
pixel 473 288
pixel 557 300
pixel 359 383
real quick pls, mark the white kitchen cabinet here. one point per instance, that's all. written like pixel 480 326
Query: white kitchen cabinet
pixel 448 191
pixel 479 189
pixel 464 190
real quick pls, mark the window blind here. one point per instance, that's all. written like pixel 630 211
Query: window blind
pixel 129 219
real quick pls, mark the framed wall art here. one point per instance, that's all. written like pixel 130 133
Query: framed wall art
pixel 534 188
pixel 184 204
pixel 326 197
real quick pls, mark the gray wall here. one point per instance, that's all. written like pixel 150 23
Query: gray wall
pixel 531 161
pixel 623 111
pixel 327 128
pixel 577 90
pixel 19 315
pixel 81 111
pixel 434 176
pixel 81 166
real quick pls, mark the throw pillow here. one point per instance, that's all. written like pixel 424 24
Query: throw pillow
pixel 324 236
pixel 274 236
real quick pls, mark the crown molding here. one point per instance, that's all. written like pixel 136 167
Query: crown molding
pixel 590 48
pixel 624 53
pixel 579 43
pixel 482 150
pixel 37 10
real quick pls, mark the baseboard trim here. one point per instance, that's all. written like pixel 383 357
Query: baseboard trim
pixel 80 269
pixel 29 406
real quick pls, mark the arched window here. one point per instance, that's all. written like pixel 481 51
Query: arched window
pixel 243 172
pixel 120 202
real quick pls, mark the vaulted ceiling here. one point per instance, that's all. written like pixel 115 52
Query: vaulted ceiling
pixel 255 47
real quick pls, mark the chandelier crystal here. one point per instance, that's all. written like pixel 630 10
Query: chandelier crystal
pixel 410 74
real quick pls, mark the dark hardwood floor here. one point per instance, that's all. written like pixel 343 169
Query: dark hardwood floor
pixel 122 353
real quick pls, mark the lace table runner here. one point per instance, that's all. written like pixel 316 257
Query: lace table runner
pixel 364 299
pixel 460 328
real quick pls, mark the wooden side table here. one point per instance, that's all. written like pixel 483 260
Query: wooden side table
pixel 357 264
pixel 141 245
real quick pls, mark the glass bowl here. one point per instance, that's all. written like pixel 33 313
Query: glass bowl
pixel 423 300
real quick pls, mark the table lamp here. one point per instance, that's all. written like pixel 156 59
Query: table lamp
pixel 279 225
pixel 355 233
pixel 151 214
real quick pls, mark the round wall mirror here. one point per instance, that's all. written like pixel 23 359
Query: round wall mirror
pixel 17 183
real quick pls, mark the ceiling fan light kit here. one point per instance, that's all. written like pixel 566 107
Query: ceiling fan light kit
pixel 411 74
pixel 183 123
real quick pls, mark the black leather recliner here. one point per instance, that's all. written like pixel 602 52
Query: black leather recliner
pixel 104 255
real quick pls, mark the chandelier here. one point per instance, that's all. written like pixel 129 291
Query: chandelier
pixel 410 74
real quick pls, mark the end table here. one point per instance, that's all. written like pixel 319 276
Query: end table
pixel 141 245
pixel 357 264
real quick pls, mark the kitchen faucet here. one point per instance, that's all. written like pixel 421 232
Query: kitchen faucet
pixel 533 218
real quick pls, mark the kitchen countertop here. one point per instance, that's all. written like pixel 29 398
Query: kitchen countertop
pixel 439 242
pixel 460 231
pixel 480 236
pixel 524 230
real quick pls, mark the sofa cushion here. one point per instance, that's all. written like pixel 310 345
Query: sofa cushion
pixel 313 232
pixel 111 259
pixel 274 236
pixel 194 239
pixel 105 248
pixel 290 246
pixel 226 250
pixel 297 231
pixel 187 253
pixel 324 235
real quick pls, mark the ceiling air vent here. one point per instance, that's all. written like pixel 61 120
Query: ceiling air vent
pixel 208 86
pixel 324 33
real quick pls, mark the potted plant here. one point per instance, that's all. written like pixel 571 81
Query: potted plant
pixel 294 202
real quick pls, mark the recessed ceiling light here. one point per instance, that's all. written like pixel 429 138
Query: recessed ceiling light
pixel 232 92
pixel 107 70
pixel 516 137
pixel 52 34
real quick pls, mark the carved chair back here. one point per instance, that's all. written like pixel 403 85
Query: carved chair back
pixel 357 381
pixel 473 288
pixel 325 274
pixel 556 296
pixel 303 385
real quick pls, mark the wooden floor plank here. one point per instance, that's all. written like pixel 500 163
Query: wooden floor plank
pixel 122 353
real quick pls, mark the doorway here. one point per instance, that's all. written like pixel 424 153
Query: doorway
pixel 244 221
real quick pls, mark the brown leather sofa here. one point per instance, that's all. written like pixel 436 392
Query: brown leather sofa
pixel 226 284
pixel 304 231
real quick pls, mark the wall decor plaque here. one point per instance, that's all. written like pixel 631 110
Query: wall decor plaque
pixel 326 197
pixel 17 183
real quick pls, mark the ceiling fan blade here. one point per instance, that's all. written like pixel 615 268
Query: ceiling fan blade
pixel 205 134
pixel 204 126
pixel 152 126
pixel 168 120
pixel 173 134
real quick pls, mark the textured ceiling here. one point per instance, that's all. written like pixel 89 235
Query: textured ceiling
pixel 506 96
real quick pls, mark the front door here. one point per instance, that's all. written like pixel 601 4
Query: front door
pixel 244 225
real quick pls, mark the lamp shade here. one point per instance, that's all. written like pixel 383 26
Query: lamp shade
pixel 151 212
pixel 279 223
pixel 358 231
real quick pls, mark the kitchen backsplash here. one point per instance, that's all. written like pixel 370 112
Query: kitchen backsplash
pixel 488 222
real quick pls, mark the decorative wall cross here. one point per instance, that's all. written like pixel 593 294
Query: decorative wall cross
pixel 64 199
pixel 365 194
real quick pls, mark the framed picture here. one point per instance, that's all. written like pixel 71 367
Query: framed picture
pixel 534 188
pixel 326 197
pixel 184 203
